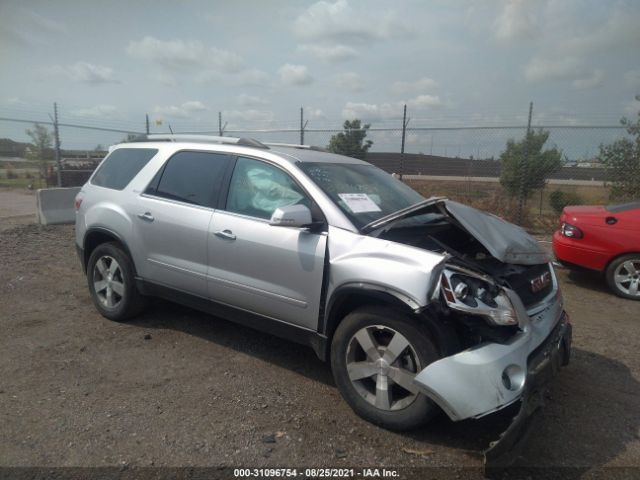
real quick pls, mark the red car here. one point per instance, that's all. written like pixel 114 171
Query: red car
pixel 606 239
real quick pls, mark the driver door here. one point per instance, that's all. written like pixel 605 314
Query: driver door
pixel 269 270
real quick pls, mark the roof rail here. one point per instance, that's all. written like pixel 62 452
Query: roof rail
pixel 180 137
pixel 295 145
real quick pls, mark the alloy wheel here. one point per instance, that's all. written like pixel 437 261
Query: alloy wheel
pixel 381 364
pixel 108 281
pixel 627 277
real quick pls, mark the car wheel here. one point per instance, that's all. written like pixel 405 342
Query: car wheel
pixel 623 276
pixel 111 280
pixel 375 354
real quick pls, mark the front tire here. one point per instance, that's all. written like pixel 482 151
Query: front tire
pixel 111 280
pixel 375 353
pixel 623 276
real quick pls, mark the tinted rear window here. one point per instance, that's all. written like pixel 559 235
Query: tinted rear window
pixel 192 177
pixel 119 168
pixel 624 207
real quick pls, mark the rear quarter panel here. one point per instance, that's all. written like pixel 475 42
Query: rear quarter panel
pixel 602 242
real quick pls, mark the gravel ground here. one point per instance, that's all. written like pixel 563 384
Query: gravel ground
pixel 177 387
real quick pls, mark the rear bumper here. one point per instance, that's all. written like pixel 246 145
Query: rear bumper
pixel 573 252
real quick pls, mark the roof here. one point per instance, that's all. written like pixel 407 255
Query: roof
pixel 288 152
pixel 294 154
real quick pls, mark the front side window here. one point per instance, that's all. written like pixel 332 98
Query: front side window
pixel 363 192
pixel 257 189
pixel 191 177
pixel 119 168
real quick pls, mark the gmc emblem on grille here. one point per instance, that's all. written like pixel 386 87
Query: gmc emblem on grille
pixel 541 282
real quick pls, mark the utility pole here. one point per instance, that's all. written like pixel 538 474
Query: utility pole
pixel 147 123
pixel 303 125
pixel 220 126
pixel 56 133
pixel 524 167
pixel 405 122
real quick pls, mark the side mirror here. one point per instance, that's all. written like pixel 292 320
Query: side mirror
pixel 291 216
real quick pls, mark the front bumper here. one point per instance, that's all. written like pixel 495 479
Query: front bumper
pixel 491 376
pixel 542 365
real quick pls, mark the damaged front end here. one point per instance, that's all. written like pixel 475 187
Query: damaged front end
pixel 497 288
pixel 498 370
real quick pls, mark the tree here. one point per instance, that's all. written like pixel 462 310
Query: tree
pixel 622 160
pixel 40 148
pixel 520 177
pixel 352 141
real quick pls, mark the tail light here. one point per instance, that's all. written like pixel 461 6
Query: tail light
pixel 570 231
pixel 77 203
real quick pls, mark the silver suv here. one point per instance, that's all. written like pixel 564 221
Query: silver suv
pixel 417 303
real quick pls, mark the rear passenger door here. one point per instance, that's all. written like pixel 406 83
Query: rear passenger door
pixel 173 218
pixel 269 270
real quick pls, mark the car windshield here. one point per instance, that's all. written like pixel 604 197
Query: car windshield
pixel 363 192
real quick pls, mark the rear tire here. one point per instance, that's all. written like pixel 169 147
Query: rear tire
pixel 623 276
pixel 375 353
pixel 111 280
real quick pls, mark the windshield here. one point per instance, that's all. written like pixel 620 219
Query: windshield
pixel 363 192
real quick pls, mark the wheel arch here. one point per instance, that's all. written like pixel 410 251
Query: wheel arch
pixel 617 256
pixel 96 236
pixel 349 298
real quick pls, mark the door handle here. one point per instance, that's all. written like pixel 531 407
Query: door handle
pixel 146 216
pixel 228 234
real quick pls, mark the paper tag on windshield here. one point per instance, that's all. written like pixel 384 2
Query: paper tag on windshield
pixel 359 202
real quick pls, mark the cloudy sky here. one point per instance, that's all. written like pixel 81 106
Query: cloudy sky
pixel 452 62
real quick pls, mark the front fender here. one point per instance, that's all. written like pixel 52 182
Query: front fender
pixel 407 273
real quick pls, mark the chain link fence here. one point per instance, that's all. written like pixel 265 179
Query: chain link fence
pixel 462 163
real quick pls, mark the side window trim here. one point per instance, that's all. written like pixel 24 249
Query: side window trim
pixel 223 195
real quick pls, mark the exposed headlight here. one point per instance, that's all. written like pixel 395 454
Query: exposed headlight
pixel 472 294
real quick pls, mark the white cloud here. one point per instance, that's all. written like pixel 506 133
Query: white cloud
pixel 250 115
pixel 372 111
pixel 295 75
pixel 97 111
pixel 184 110
pixel 421 85
pixel 314 113
pixel 251 101
pixel 516 20
pixel 26 28
pixel 632 78
pixel 618 31
pixel 388 110
pixel 632 108
pixel 330 53
pixel 338 22
pixel 179 54
pixel 253 77
pixel 424 101
pixel 84 72
pixel 351 82
pixel 249 77
pixel 14 101
pixel 593 80
pixel 540 69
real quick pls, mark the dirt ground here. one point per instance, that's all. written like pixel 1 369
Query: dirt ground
pixel 177 387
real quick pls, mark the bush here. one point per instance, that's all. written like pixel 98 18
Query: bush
pixel 558 200
pixel 10 173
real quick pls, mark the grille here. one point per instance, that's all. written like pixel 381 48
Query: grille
pixel 521 284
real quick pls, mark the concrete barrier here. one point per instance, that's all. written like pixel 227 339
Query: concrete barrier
pixel 56 205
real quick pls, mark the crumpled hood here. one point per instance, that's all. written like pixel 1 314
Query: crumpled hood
pixel 507 242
